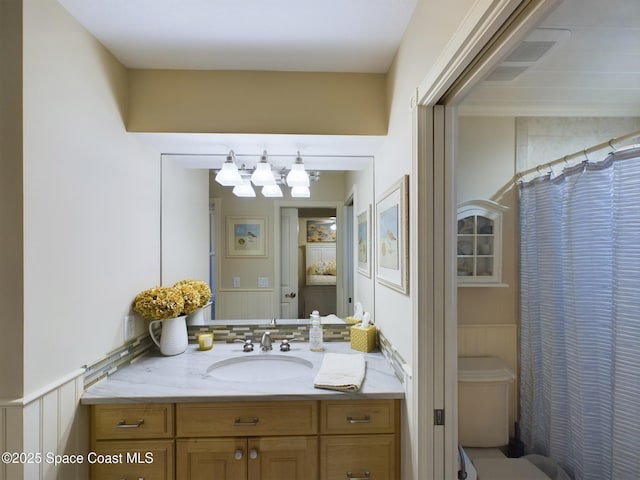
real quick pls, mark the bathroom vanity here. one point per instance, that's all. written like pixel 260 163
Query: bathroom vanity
pixel 177 418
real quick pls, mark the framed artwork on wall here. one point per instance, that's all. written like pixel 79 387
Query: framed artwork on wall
pixel 364 242
pixel 246 237
pixel 392 237
pixel 321 230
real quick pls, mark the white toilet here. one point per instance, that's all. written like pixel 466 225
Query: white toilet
pixel 483 419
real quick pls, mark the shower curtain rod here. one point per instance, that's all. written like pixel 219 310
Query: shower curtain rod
pixel 584 153
pixel 520 175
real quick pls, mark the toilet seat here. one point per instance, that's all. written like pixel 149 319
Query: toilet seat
pixel 507 469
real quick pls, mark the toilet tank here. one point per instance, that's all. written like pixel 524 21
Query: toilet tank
pixel 483 401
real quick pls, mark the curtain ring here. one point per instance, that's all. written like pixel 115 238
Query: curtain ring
pixel 585 155
pixel 611 144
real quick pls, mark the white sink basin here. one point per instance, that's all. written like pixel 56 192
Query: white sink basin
pixel 260 368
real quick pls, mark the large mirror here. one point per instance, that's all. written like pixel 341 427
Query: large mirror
pixel 267 257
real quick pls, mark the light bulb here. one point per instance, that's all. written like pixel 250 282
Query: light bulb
pixel 228 175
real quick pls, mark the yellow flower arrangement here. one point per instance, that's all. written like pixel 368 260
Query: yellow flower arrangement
pixel 202 289
pixel 159 303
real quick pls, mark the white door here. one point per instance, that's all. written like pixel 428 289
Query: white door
pixel 289 263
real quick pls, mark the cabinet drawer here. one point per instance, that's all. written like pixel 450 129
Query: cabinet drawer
pixel 246 419
pixel 359 457
pixel 136 421
pixel 149 459
pixel 362 416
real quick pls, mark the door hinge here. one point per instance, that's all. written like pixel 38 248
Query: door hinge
pixel 438 416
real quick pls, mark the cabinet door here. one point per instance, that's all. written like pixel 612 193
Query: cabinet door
pixel 358 457
pixel 219 459
pixel 280 458
pixel 149 459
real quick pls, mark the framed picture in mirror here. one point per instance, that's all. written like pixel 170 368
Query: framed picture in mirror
pixel 392 237
pixel 321 230
pixel 246 237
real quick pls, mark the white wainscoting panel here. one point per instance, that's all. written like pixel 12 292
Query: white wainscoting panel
pixel 497 341
pixel 246 304
pixel 50 421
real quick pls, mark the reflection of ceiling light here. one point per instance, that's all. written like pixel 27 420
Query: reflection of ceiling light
pixel 263 175
pixel 271 191
pixel 298 177
pixel 300 192
pixel 244 189
pixel 229 175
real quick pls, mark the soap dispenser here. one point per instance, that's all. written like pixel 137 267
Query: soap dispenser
pixel 315 333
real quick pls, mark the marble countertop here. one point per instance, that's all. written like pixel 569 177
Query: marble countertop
pixel 185 378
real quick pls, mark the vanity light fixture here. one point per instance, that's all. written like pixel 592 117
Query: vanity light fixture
pixel 267 176
pixel 300 192
pixel 229 175
pixel 262 175
pixel 298 177
pixel 272 191
pixel 244 189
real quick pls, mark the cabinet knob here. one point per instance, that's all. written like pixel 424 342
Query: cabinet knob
pixel 253 454
pixel 364 476
pixel 238 455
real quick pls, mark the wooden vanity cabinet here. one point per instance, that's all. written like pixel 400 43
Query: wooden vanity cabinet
pixel 359 439
pixel 132 442
pixel 247 440
pixel 293 440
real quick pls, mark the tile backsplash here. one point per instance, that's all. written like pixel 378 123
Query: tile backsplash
pixel 128 352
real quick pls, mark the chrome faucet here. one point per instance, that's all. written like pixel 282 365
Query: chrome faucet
pixel 265 343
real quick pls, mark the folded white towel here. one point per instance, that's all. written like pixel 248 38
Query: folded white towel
pixel 341 371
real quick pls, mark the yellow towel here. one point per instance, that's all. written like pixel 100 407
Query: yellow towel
pixel 341 371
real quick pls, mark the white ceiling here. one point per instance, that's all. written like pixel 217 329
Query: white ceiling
pixel 284 35
pixel 595 71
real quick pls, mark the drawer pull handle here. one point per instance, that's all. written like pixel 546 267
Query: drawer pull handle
pixel 365 419
pixel 124 424
pixel 239 454
pixel 364 476
pixel 250 423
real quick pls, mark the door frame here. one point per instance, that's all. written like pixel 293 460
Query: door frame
pixel 337 205
pixel 491 29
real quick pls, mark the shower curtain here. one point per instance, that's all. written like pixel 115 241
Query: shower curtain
pixel 580 317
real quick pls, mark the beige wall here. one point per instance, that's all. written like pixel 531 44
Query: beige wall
pixel 486 163
pixel 432 26
pixel 91 199
pixel 257 102
pixel 11 253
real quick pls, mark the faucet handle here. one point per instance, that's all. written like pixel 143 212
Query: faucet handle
pixel 247 344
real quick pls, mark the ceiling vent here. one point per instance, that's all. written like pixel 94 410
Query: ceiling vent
pixel 530 52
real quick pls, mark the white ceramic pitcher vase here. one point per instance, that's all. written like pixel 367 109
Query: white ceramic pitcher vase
pixel 173 337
